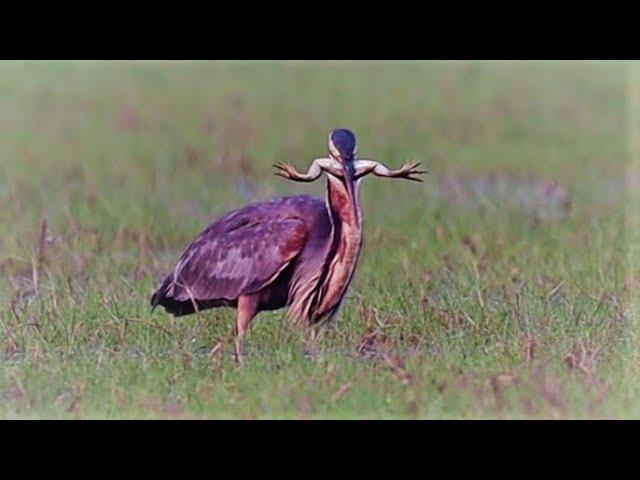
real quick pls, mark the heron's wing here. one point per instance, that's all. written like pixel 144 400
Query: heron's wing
pixel 233 258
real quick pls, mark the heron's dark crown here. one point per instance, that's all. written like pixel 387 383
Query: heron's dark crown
pixel 344 141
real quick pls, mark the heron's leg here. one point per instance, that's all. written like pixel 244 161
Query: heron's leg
pixel 247 309
pixel 315 334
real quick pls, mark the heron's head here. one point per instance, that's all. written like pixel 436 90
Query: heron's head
pixel 342 145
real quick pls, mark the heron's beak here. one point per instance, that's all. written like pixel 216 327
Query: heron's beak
pixel 350 183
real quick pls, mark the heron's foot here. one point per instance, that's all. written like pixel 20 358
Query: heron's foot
pixel 239 359
pixel 311 351
pixel 239 354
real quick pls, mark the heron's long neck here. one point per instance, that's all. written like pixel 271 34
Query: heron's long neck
pixel 342 257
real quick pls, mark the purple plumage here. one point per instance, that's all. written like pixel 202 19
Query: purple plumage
pixel 241 253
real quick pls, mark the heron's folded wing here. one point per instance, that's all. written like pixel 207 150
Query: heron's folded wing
pixel 225 264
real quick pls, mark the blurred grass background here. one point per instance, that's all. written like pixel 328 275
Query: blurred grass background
pixel 498 288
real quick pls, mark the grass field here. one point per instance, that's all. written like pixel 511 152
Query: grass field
pixel 501 287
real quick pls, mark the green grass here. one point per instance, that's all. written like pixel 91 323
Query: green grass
pixel 477 295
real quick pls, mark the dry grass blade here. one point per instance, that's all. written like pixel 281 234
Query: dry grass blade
pixel 216 348
pixel 554 290
pixel 397 368
pixel 342 391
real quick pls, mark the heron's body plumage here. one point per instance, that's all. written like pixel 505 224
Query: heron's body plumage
pixel 293 251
